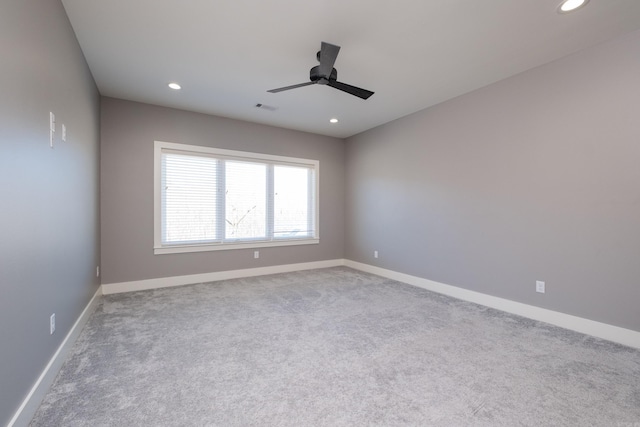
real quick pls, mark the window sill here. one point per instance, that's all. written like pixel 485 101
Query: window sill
pixel 176 249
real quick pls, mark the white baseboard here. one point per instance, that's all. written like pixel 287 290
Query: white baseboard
pixel 165 282
pixel 30 404
pixel 616 334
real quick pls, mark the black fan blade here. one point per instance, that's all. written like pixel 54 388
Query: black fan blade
pixel 280 89
pixel 361 93
pixel 328 55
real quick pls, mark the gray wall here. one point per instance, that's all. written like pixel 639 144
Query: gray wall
pixel 49 210
pixel 127 138
pixel 533 178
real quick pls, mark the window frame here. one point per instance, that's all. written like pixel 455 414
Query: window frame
pixel 159 248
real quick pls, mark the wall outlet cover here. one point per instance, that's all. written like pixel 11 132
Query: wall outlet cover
pixel 52 324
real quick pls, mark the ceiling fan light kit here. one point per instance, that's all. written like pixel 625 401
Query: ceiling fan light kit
pixel 325 74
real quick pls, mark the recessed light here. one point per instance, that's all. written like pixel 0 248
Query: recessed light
pixel 334 120
pixel 571 5
pixel 175 86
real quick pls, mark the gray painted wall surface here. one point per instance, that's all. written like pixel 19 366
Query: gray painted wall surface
pixel 533 178
pixel 127 138
pixel 49 211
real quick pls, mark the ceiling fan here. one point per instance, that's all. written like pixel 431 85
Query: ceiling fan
pixel 325 74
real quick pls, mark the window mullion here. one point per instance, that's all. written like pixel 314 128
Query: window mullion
pixel 270 202
pixel 221 201
pixel 311 198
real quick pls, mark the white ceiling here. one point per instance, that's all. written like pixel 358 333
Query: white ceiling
pixel 413 54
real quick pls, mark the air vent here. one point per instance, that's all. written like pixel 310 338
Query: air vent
pixel 266 107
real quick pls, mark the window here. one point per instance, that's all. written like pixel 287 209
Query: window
pixel 212 199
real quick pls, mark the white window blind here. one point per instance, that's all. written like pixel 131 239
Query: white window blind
pixel 245 200
pixel 292 205
pixel 189 199
pixel 209 199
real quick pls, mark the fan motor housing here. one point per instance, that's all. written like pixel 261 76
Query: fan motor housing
pixel 315 76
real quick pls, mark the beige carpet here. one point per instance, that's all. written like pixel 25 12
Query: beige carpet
pixel 333 347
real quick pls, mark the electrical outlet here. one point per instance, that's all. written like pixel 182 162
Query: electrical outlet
pixel 52 128
pixel 52 324
pixel 98 271
pixel 540 286
pixel 256 254
pixel 375 254
pixel 64 133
